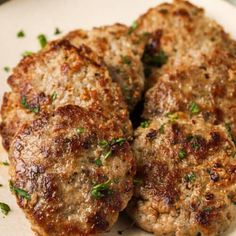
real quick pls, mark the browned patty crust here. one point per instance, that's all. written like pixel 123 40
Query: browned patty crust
pixel 121 50
pixel 70 175
pixel 58 75
pixel 186 175
pixel 180 34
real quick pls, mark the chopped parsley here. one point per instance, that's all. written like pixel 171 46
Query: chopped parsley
pixel 5 163
pixel 119 141
pixel 103 143
pixel 191 177
pixel 80 130
pixel 230 132
pixel 106 155
pixel 133 27
pixel 99 190
pixel 6 68
pixel 172 116
pixel 19 192
pixel 182 154
pixel 98 162
pixel 25 104
pixel 57 31
pixel 194 108
pixel 126 60
pixel 21 34
pixel 145 124
pixel 4 208
pixel 54 96
pixel 42 40
pixel 162 129
pixel 157 59
pixel 26 53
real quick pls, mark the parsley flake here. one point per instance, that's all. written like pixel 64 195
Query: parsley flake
pixel 103 143
pixel 6 68
pixel 80 130
pixel 98 162
pixel 54 96
pixel 26 53
pixel 191 177
pixel 162 129
pixel 21 34
pixel 57 31
pixel 145 124
pixel 182 154
pixel 157 59
pixel 42 40
pixel 19 192
pixel 133 27
pixel 172 116
pixel 4 208
pixel 5 163
pixel 194 108
pixel 99 190
pixel 24 103
pixel 106 155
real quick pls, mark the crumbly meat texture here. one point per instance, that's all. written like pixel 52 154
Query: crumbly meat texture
pixel 54 161
pixel 208 89
pixel 186 173
pixel 180 34
pixel 58 75
pixel 121 49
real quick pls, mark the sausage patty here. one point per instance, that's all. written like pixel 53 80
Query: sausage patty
pixel 186 173
pixel 60 74
pixel 121 50
pixel 71 173
pixel 208 89
pixel 180 34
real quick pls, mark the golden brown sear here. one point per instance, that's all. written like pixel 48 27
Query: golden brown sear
pixel 208 89
pixel 71 173
pixel 58 75
pixel 180 34
pixel 121 50
pixel 186 173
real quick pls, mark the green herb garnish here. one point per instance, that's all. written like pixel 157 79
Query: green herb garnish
pixel 106 155
pixel 172 116
pixel 6 68
pixel 98 162
pixel 54 96
pixel 19 192
pixel 119 141
pixel 42 40
pixel 21 34
pixel 26 53
pixel 194 108
pixel 5 163
pixel 126 60
pixel 145 124
pixel 4 208
pixel 137 182
pixel 80 130
pixel 99 189
pixel 190 177
pixel 133 27
pixel 103 143
pixel 156 60
pixel 162 129
pixel 182 154
pixel 25 104
pixel 57 31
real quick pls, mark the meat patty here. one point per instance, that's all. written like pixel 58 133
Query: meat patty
pixel 181 34
pixel 121 50
pixel 186 173
pixel 70 175
pixel 58 75
pixel 208 89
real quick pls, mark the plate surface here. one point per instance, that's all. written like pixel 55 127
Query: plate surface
pixel 35 17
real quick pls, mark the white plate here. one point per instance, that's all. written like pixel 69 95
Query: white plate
pixel 36 17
